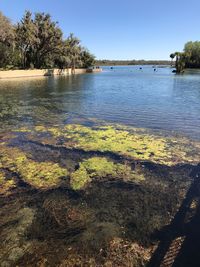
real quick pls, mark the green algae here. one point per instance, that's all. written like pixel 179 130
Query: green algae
pixel 101 167
pixel 128 142
pixel 6 184
pixel 41 175
pixel 79 178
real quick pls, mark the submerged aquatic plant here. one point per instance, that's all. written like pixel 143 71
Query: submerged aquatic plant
pixel 114 216
pixel 101 167
pixel 43 174
pixel 79 178
pixel 38 174
pixel 127 141
pixel 15 243
pixel 6 184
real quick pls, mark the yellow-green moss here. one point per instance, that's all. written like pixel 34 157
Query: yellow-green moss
pixel 101 167
pixel 125 141
pixel 98 166
pixel 136 143
pixel 5 184
pixel 79 178
pixel 38 174
pixel 129 143
pixel 42 174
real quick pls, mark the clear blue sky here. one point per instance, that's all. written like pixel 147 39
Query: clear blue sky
pixel 120 29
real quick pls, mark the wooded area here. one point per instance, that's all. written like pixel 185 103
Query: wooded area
pixel 37 42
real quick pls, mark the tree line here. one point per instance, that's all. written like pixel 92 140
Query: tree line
pixel 106 62
pixel 189 58
pixel 37 42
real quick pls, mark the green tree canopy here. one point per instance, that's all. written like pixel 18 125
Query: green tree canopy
pixel 7 37
pixel 189 58
pixel 37 42
pixel 6 30
pixel 192 53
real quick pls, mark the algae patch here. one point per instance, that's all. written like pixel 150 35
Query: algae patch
pixel 43 174
pixel 101 167
pixel 79 178
pixel 6 184
pixel 127 142
pixel 40 175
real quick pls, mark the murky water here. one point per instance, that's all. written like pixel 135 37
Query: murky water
pixel 79 185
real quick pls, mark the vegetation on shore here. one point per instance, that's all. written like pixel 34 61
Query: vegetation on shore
pixel 106 62
pixel 189 58
pixel 37 42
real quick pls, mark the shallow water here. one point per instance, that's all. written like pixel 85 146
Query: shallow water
pixel 127 95
pixel 79 185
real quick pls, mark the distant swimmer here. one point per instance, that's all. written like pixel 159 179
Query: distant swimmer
pixel 140 68
pixel 154 69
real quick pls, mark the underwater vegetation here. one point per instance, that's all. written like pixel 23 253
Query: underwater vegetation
pixel 46 175
pixel 6 184
pixel 107 141
pixel 101 167
pixel 103 194
pixel 38 174
pixel 14 242
pixel 129 142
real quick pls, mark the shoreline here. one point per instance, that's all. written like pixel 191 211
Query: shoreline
pixel 9 74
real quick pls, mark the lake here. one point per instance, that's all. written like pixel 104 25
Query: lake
pixel 96 169
pixel 127 95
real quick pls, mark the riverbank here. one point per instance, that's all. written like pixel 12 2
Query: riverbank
pixel 8 74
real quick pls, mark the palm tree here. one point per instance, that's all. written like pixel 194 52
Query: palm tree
pixel 172 56
pixel 74 50
pixel 180 61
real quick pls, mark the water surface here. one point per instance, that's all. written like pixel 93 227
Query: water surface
pixel 128 95
pixel 78 187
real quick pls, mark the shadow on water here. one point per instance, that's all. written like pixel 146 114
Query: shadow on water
pixel 180 241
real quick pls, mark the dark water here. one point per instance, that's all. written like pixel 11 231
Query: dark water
pixel 128 95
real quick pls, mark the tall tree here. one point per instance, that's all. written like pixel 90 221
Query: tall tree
pixel 87 59
pixel 37 41
pixel 172 56
pixel 73 50
pixel 180 61
pixel 48 40
pixel 192 51
pixel 6 30
pixel 7 36
pixel 26 38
